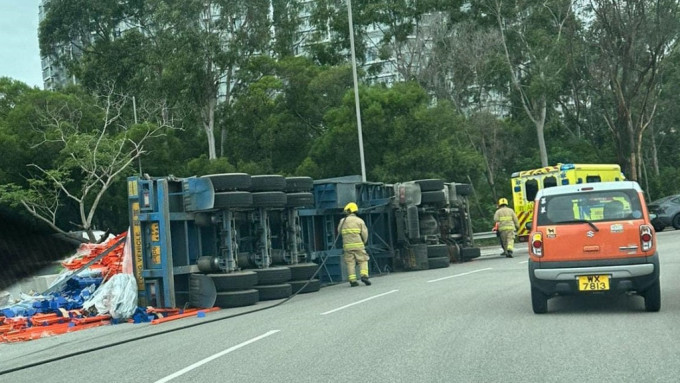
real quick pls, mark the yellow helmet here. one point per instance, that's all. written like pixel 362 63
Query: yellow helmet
pixel 502 202
pixel 351 208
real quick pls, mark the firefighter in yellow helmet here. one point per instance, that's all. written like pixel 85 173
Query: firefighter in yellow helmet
pixel 354 237
pixel 507 223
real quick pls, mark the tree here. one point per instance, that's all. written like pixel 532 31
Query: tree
pixel 91 157
pixel 533 42
pixel 405 138
pixel 276 120
pixel 631 41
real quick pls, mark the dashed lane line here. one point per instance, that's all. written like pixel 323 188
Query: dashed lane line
pixel 358 302
pixel 213 357
pixel 458 275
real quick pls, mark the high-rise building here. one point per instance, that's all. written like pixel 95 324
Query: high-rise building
pixel 54 75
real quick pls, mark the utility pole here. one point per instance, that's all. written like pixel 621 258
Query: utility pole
pixel 356 90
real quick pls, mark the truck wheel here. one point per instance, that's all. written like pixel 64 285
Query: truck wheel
pixel 430 184
pixel 272 275
pixel 433 197
pixel 229 181
pixel 302 271
pixel 469 253
pixel 299 184
pixel 274 199
pixel 271 292
pixel 438 263
pixel 299 199
pixel 237 298
pixel 242 280
pixel 653 297
pixel 463 189
pixel 437 251
pixel 270 182
pixel 539 301
pixel 233 199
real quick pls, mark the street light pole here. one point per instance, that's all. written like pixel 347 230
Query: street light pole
pixel 356 90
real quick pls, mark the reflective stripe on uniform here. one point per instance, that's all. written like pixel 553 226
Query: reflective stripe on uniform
pixel 355 245
pixel 351 231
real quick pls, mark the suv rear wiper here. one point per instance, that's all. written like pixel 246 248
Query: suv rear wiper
pixel 582 221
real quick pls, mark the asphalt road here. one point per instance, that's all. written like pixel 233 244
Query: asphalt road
pixel 471 322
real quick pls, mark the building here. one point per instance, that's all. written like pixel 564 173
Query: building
pixel 54 75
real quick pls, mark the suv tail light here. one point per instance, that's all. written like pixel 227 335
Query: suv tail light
pixel 537 244
pixel 646 237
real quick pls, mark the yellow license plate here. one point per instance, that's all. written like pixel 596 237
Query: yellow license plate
pixel 593 282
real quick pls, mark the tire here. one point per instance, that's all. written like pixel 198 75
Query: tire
pixel 653 297
pixel 302 271
pixel 299 199
pixel 237 298
pixel 539 301
pixel 437 251
pixel 463 189
pixel 271 292
pixel 438 263
pixel 299 184
pixel 273 275
pixel 242 280
pixel 202 291
pixel 271 182
pixel 230 181
pixel 433 197
pixel 275 199
pixel 182 299
pixel 470 253
pixel 233 199
pixel 313 286
pixel 658 227
pixel 676 222
pixel 430 184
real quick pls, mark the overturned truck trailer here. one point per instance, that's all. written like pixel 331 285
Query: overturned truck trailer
pixel 234 239
pixel 413 225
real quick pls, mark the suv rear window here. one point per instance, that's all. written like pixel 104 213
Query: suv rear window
pixel 606 205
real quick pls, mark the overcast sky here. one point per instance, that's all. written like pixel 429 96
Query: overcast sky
pixel 19 52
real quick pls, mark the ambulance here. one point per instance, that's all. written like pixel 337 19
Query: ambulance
pixel 525 185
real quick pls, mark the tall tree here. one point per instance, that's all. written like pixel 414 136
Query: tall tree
pixel 532 35
pixel 95 146
pixel 631 41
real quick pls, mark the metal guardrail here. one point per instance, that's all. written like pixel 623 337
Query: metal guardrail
pixel 484 235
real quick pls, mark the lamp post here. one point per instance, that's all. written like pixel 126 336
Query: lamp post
pixel 356 90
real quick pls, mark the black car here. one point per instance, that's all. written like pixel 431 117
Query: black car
pixel 667 210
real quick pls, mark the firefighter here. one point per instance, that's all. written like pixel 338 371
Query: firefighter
pixel 507 223
pixel 354 237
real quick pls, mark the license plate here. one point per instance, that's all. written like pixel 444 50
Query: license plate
pixel 593 282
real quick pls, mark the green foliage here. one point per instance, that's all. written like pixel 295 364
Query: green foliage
pixel 277 113
pixel 202 165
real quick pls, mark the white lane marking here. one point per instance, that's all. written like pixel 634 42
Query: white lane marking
pixel 356 303
pixel 458 275
pixel 213 357
pixel 527 261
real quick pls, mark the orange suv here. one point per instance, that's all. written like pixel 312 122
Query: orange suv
pixel 592 238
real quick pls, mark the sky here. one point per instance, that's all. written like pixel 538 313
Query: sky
pixel 19 52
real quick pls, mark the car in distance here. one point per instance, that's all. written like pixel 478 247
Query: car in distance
pixel 592 238
pixel 667 211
